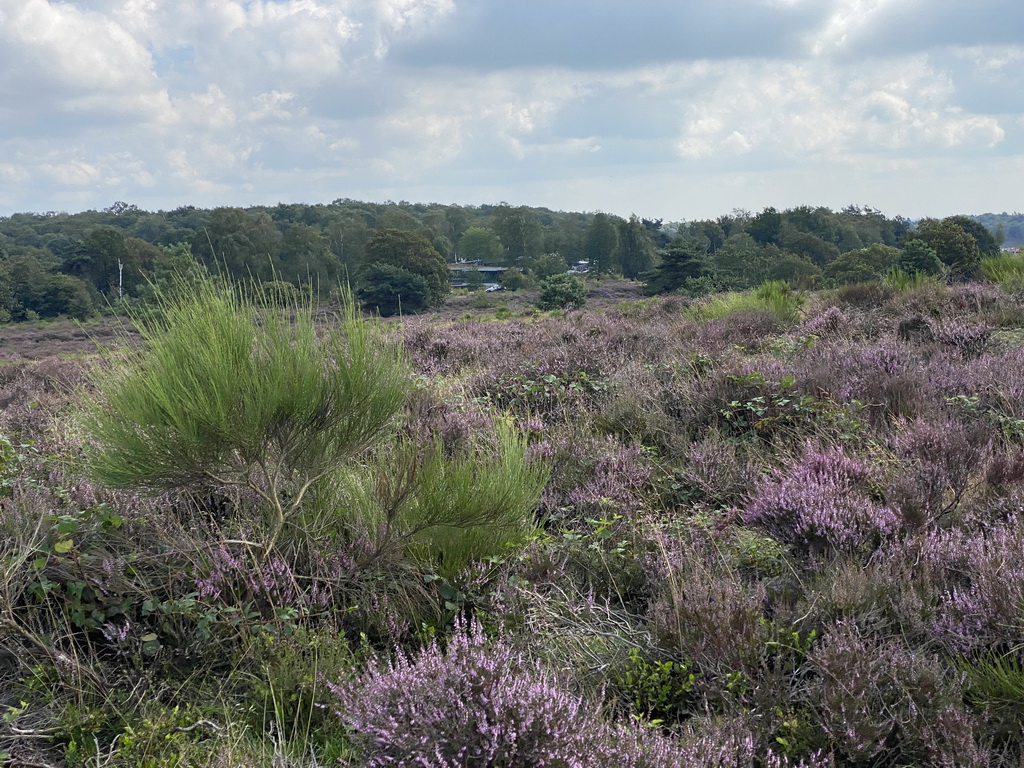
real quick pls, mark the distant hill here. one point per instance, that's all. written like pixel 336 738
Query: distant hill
pixel 1011 224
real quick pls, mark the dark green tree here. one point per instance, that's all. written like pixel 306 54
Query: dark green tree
pixel 863 265
pixel 636 252
pixel 683 261
pixel 601 244
pixel 917 256
pixel 391 290
pixel 807 245
pixel 548 265
pixel 793 269
pixel 415 254
pixel 956 247
pixel 766 226
pixel 244 243
pixel 305 256
pixel 101 259
pixel 64 295
pixel 987 243
pixel 741 263
pixel 518 230
pixel 513 279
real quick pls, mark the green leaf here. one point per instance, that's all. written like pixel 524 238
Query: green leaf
pixel 63 546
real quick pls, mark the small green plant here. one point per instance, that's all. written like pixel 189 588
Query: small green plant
pixel 444 511
pixel 779 411
pixel 658 690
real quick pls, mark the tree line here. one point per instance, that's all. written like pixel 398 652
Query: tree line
pixel 395 254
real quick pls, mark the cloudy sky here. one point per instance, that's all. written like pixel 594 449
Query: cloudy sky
pixel 679 109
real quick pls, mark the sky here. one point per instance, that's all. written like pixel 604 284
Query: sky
pixel 673 109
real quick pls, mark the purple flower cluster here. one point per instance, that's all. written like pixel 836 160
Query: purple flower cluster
pixel 480 702
pixel 975 582
pixel 234 578
pixel 472 703
pixel 822 504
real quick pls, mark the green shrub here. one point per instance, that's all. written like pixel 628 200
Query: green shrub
pixel 562 292
pixel 229 390
pixel 444 509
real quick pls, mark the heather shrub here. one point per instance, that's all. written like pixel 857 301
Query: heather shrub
pixel 746 327
pixel 714 470
pixel 882 597
pixel 703 611
pixel 822 504
pixel 878 700
pixel 886 377
pixel 594 477
pixel 939 463
pixel 830 323
pixel 968 338
pixel 481 702
pixel 473 702
pixel 864 295
pixel 973 581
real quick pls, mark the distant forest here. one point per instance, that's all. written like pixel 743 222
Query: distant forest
pixel 59 264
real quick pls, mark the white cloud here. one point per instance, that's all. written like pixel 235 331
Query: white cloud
pixel 232 100
pixel 808 110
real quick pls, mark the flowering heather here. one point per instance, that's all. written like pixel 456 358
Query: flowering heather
pixel 822 504
pixel 879 703
pixel 714 472
pixel 478 702
pixel 938 462
pixel 593 476
pixel 234 577
pixel 831 323
pixel 975 582
pixel 472 703
pixel 455 425
pixel 968 338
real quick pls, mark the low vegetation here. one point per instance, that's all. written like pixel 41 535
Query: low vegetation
pixel 769 527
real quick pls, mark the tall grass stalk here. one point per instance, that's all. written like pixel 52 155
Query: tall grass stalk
pixel 777 296
pixel 1006 269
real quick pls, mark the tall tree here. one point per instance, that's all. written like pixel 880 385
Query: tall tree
pixel 412 253
pixel 636 253
pixel 956 247
pixel 601 243
pixel 518 230
pixel 100 259
pixel 242 242
pixel 479 244
pixel 765 226
pixel 306 255
pixel 684 260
